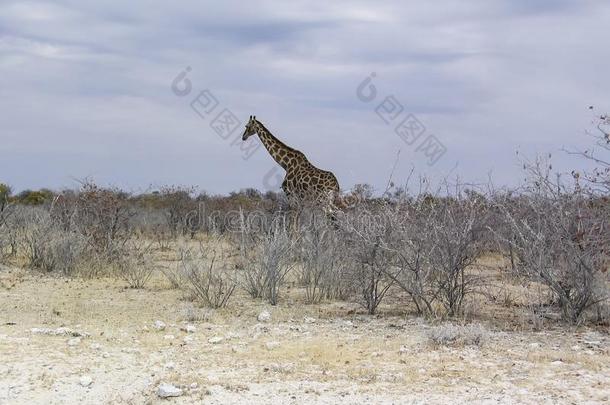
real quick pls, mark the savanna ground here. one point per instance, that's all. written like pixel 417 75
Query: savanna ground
pixel 322 353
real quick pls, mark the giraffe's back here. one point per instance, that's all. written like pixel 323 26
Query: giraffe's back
pixel 309 182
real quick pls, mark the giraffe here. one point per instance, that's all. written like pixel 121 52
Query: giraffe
pixel 303 181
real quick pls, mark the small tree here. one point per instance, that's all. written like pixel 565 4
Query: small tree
pixel 322 263
pixel 5 193
pixel 135 264
pixel 560 237
pixel 370 267
pixel 266 260
pixel 177 206
pixel 206 275
pixel 102 216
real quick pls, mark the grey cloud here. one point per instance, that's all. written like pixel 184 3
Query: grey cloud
pixel 85 85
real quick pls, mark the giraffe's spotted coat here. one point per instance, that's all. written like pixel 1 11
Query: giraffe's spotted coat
pixel 303 180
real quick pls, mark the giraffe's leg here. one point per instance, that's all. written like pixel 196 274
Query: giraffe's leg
pixel 297 210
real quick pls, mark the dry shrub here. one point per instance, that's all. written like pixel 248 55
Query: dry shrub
pixel 206 276
pixel 266 259
pixel 559 238
pixel 323 264
pixel 423 244
pixel 449 334
pixel 178 205
pixel 48 248
pixel 135 264
pixel 6 235
pixel 100 215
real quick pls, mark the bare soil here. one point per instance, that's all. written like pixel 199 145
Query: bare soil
pixel 329 353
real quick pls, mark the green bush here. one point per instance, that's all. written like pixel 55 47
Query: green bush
pixel 5 193
pixel 29 197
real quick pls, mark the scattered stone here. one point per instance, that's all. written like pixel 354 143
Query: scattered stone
pixel 169 337
pixel 105 355
pixel 592 344
pixel 403 349
pixel 285 368
pixel 348 325
pixel 74 341
pixel 96 346
pixel 534 345
pixel 58 332
pixel 194 385
pixel 264 316
pixel 309 319
pixel 170 366
pixel 85 381
pixel 160 325
pixel 260 328
pixel 188 339
pixel 215 340
pixel 189 328
pixel 168 390
pixel 272 345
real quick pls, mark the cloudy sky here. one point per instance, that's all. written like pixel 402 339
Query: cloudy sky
pixel 86 88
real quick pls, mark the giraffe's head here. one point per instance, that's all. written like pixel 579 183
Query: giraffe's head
pixel 251 128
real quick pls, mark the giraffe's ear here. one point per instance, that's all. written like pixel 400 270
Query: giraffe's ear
pixel 254 116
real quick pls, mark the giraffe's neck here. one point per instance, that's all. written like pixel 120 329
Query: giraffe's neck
pixel 283 154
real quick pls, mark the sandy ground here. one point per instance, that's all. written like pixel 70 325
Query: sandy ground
pixel 303 354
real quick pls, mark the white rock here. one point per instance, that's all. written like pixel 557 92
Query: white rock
pixel 160 325
pixel 85 381
pixel 264 316
pixel 233 335
pixel 74 341
pixel 188 339
pixel 168 390
pixel 58 332
pixel 96 346
pixel 105 355
pixel 189 328
pixel 215 340
pixel 403 349
pixel 194 385
pixel 272 345
pixel 260 328
pixel 309 319
pixel 170 366
pixel 169 337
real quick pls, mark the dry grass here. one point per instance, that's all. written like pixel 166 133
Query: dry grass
pixel 337 354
